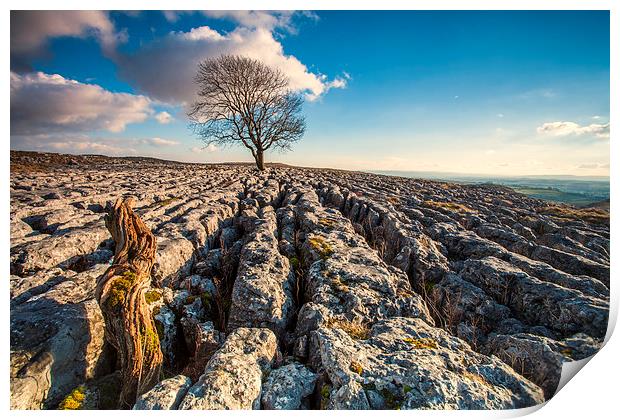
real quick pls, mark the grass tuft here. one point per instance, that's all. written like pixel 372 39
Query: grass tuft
pixel 355 330
pixel 163 203
pixel 475 377
pixel 455 207
pixel 321 247
pixel 294 261
pixel 74 400
pixel 592 214
pixel 421 343
pixel 325 391
pixel 356 367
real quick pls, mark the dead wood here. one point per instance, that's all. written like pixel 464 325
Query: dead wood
pixel 130 328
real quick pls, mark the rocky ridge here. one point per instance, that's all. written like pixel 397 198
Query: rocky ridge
pixel 304 288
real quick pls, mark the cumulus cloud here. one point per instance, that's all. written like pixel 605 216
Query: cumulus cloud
pixel 337 83
pixel 256 18
pixel 31 29
pixel 271 20
pixel 568 128
pixel 43 103
pixel 165 68
pixel 163 117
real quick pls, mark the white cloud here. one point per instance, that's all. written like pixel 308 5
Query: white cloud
pixel 567 128
pixel 87 147
pixel 165 68
pixel 209 149
pixel 132 13
pixel 538 93
pixel 593 166
pixel 171 15
pixel 73 143
pixel 255 18
pixel 163 117
pixel 31 29
pixel 270 20
pixel 159 142
pixel 337 83
pixel 505 133
pixel 547 93
pixel 84 143
pixel 500 115
pixel 43 103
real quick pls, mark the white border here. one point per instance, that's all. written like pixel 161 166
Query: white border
pixel 592 395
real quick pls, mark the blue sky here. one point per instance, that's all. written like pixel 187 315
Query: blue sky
pixel 513 92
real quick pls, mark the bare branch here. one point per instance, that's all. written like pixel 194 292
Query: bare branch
pixel 243 101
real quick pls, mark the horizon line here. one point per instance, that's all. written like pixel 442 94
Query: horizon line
pixel 376 171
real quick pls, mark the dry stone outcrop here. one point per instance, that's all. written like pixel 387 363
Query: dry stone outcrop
pixel 299 288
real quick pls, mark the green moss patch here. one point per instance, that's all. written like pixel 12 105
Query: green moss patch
pixel 152 296
pixel 120 287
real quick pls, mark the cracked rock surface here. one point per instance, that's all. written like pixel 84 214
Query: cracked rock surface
pixel 301 288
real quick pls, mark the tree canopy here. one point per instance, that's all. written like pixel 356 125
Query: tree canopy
pixel 243 101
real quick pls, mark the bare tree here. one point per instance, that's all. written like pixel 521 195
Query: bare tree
pixel 243 101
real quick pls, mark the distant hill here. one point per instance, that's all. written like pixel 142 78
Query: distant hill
pixel 604 204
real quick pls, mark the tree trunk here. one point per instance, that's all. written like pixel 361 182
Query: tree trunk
pixel 129 325
pixel 260 163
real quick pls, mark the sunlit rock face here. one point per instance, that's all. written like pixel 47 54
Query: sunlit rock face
pixel 300 288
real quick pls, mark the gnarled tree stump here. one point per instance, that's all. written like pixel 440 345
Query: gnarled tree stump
pixel 120 292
